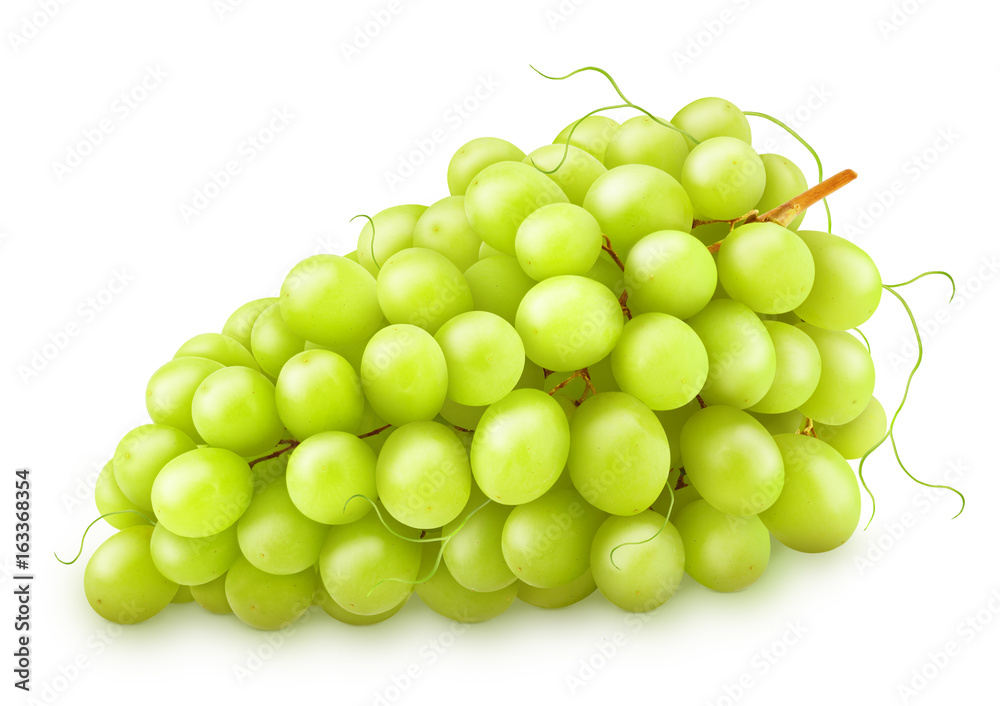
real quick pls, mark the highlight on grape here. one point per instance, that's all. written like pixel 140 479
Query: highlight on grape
pixel 592 367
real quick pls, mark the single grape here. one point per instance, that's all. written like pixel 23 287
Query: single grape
pixel 706 118
pixel 660 360
pixel 423 288
pixel 619 456
pixel 670 272
pixel 325 471
pixel 485 357
pixel 394 229
pixel 202 492
pixel 235 409
pixel 846 380
pixel 520 447
pixel 572 169
pixel 784 181
pixel 140 456
pixel 723 552
pixel 502 195
pixel 854 439
pixel 333 609
pixel 820 505
pixel 498 285
pixel 766 267
pixel 724 178
pixel 568 322
pixel 275 536
pixel 212 596
pixel 732 460
pixel 797 369
pixel 591 134
pixel 847 288
pixel 240 323
pixel 109 498
pixel 474 156
pixel 193 561
pixel 475 556
pixel 634 200
pixel 446 596
pixel 121 582
pixel 560 596
pixel 268 601
pixel 404 375
pixel 318 391
pixel 558 239
pixel 741 356
pixel 272 342
pixel 219 348
pixel 171 390
pixel 445 228
pixel 643 576
pixel 642 140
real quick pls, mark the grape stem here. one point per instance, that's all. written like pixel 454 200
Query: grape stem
pixel 808 429
pixel 622 300
pixel 291 444
pixel 611 251
pixel 374 432
pixel 588 389
pixel 681 483
pixel 700 401
pixel 788 211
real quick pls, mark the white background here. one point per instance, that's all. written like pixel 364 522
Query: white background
pixel 873 84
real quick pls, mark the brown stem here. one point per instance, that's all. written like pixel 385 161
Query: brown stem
pixel 622 300
pixel 374 432
pixel 463 428
pixel 680 480
pixel 611 251
pixel 808 429
pixel 292 443
pixel 715 247
pixel 566 382
pixel 786 212
pixel 701 401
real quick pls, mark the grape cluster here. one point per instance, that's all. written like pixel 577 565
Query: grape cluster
pixel 596 366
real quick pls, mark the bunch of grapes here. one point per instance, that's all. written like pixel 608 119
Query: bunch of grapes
pixel 593 367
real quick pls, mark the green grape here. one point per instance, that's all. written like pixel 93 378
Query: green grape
pixel 171 390
pixel 215 346
pixel 330 301
pixel 682 497
pixel 474 556
pixel 848 286
pixel 724 178
pixel 485 357
pixel 602 376
pixel 272 342
pixel 351 352
pixel 444 228
pixel 275 536
pixel 591 134
pixel 671 272
pixel 446 596
pixel 240 324
pixel 328 469
pixel 779 423
pixel 268 601
pixel 784 181
pixel 619 456
pixel 558 239
pixel 634 200
pixel 333 609
pixel 722 552
pixel 202 492
pixel 393 232
pixel 498 285
pixel 358 560
pixel 235 409
pixel 121 582
pixel 706 118
pixel 183 595
pixel 766 267
pixel 318 391
pixel 192 561
pixel 642 140
pixel 560 596
pixel 352 256
pixel 820 505
pixel 474 156
pixel 660 360
pixel 404 375
pixel 423 475
pixel 502 195
pixel 797 369
pixel 546 542
pixel 854 439
pixel 643 576
pixel 109 498
pixel 846 380
pixel 741 357
pixel 212 596
pixel 672 421
pixel 568 322
pixel 461 415
pixel 732 460
pixel 423 288
pixel 520 447
pixel 789 317
pixel 140 456
pixel 608 273
pixel 572 169
pixel 486 250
